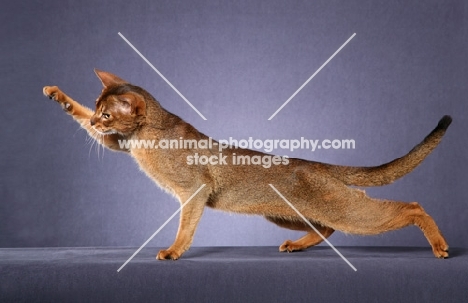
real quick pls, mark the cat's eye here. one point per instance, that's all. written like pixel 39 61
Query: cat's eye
pixel 105 116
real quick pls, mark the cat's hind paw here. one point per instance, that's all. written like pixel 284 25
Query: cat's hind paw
pixel 290 246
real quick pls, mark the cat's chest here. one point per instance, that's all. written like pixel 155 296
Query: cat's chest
pixel 168 169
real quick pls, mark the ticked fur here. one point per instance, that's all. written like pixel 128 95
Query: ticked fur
pixel 319 191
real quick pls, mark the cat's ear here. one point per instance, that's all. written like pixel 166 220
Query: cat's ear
pixel 136 104
pixel 108 79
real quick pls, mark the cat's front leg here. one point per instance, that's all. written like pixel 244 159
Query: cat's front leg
pixel 189 218
pixel 82 115
pixel 78 111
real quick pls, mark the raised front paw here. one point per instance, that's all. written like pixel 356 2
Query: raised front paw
pixel 53 92
pixel 168 254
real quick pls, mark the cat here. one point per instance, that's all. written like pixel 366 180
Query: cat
pixel 321 192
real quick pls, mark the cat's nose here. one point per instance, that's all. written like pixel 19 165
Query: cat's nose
pixel 92 121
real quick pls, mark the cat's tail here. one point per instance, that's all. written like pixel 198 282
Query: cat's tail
pixel 391 171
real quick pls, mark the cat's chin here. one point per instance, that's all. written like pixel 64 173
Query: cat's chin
pixel 107 132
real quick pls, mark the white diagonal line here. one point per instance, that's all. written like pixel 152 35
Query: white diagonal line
pixel 162 76
pixel 311 77
pixel 313 227
pixel 162 226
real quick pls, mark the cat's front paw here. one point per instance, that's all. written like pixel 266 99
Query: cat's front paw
pixel 54 93
pixel 441 249
pixel 168 254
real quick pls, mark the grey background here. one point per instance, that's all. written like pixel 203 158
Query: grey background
pixel 237 63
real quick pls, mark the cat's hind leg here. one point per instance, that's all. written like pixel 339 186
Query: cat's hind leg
pixel 350 210
pixel 310 239
pixel 392 215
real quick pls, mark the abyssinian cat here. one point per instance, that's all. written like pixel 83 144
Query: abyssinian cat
pixel 321 192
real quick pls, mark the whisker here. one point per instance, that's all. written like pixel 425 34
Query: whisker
pixel 98 147
pixel 95 137
pixel 89 138
pixel 103 147
pixel 90 148
pixel 100 140
pixel 77 130
pixel 92 141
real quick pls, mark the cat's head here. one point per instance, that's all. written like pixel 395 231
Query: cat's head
pixel 121 107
